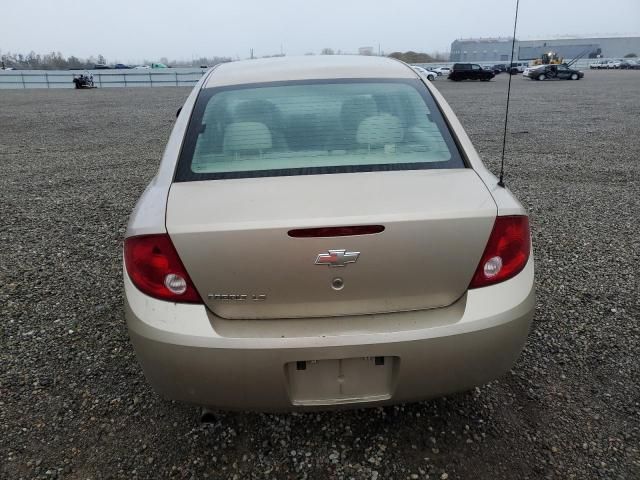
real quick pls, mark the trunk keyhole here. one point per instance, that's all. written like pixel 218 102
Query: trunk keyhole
pixel 337 283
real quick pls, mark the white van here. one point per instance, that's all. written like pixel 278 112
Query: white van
pixel 518 67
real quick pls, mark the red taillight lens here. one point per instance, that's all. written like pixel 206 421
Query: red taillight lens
pixel 506 253
pixel 155 268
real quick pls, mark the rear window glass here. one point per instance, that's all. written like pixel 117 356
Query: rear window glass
pixel 317 127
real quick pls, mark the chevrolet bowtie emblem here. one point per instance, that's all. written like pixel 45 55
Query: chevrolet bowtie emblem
pixel 337 258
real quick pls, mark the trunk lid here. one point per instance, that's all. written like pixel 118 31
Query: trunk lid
pixel 232 236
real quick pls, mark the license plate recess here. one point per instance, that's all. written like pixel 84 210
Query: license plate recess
pixel 346 380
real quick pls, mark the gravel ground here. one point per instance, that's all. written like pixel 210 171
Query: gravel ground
pixel 74 402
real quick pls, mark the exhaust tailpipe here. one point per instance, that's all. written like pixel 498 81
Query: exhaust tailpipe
pixel 208 416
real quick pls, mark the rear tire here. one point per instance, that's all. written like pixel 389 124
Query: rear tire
pixel 431 78
pixel 574 76
pixel 542 76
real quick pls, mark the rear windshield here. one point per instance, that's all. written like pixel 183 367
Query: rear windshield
pixel 315 127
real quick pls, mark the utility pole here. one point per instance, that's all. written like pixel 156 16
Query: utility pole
pixel 251 53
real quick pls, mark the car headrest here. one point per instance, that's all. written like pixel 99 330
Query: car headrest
pixel 380 130
pixel 262 111
pixel 356 109
pixel 246 137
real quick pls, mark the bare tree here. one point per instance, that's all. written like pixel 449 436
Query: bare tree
pixel 56 61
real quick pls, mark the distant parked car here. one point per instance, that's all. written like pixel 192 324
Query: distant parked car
pixel 470 71
pixel 629 64
pixel 518 67
pixel 442 70
pixel 101 66
pixel 427 73
pixel 121 66
pixel 614 64
pixel 500 67
pixel 142 67
pixel 552 72
pixel 491 68
pixel 158 65
pixel 599 64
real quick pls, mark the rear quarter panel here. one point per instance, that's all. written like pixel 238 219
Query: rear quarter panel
pixel 148 216
pixel 505 201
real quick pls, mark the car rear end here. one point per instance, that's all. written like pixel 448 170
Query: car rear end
pixel 487 74
pixel 458 71
pixel 321 242
pixel 534 72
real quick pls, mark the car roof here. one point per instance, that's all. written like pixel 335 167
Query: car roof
pixel 308 67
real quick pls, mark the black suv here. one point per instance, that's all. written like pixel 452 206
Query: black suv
pixel 470 71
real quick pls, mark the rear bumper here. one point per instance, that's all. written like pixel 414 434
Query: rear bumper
pixel 190 355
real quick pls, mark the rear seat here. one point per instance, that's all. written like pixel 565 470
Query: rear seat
pixel 380 131
pixel 246 138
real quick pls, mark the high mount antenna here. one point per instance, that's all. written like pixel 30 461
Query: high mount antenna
pixel 506 114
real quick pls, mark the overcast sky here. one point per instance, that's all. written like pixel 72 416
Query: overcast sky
pixel 130 30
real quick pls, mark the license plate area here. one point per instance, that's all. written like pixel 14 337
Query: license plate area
pixel 347 380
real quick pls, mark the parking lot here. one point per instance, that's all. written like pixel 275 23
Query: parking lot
pixel 74 402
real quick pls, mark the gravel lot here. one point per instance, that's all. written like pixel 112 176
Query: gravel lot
pixel 74 403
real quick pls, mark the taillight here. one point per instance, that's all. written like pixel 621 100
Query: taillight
pixel 506 253
pixel 156 269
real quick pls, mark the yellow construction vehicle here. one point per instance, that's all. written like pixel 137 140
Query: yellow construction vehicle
pixel 549 58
